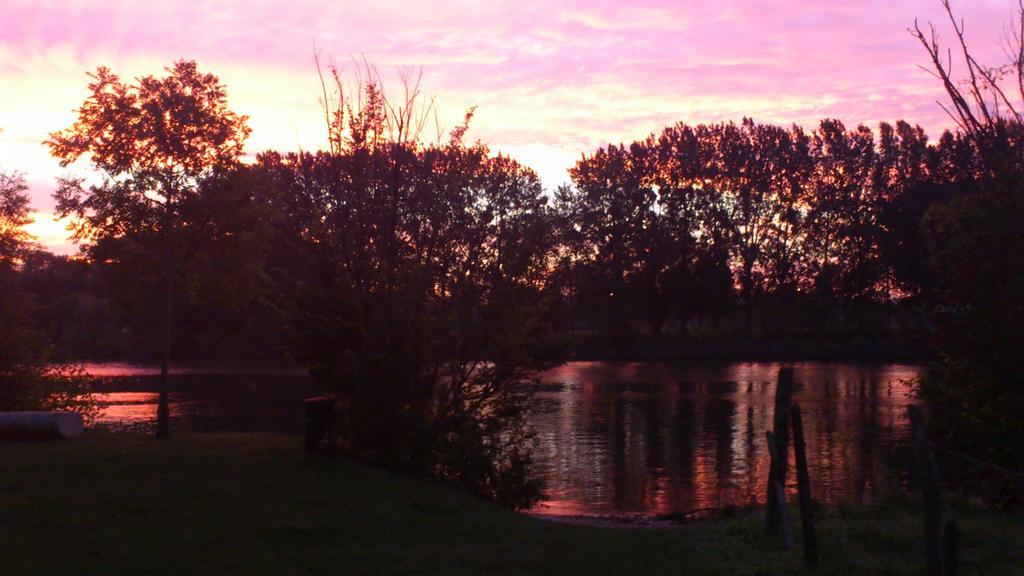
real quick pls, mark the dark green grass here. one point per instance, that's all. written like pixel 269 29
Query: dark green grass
pixel 253 504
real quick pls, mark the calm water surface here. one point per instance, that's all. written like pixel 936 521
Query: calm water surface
pixel 613 439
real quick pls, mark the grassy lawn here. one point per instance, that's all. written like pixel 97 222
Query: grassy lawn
pixel 253 504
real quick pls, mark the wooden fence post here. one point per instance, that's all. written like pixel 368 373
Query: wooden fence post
pixel 803 481
pixel 779 448
pixel 928 476
pixel 777 495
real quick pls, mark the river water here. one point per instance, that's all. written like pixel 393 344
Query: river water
pixel 613 439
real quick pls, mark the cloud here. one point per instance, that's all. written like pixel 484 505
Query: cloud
pixel 551 79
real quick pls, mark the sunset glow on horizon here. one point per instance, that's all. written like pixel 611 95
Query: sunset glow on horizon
pixel 550 80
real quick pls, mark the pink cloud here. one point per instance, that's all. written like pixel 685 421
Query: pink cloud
pixel 547 75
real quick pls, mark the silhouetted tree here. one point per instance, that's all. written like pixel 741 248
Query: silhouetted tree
pixel 22 351
pixel 751 177
pixel 154 142
pixel 27 382
pixel 697 279
pixel 613 213
pixel 840 240
pixel 975 244
pixel 411 284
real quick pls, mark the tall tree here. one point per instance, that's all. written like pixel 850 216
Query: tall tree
pixel 696 277
pixel 840 249
pixel 751 177
pixel 21 348
pixel 27 382
pixel 154 142
pixel 20 345
pixel 975 243
pixel 614 214
pixel 412 286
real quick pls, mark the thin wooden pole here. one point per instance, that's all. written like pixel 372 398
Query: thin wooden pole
pixel 777 495
pixel 928 475
pixel 780 448
pixel 163 412
pixel 803 482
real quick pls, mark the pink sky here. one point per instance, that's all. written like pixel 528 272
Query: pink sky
pixel 551 79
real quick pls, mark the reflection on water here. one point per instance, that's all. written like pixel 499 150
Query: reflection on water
pixel 201 399
pixel 659 438
pixel 137 410
pixel 129 369
pixel 643 438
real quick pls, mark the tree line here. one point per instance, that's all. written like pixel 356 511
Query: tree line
pixel 763 229
pixel 690 220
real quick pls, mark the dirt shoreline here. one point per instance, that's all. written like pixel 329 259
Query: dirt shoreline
pixel 630 521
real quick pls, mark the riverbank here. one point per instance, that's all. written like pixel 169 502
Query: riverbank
pixel 589 347
pixel 254 504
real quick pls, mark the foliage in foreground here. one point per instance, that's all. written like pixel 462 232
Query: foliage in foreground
pixel 976 248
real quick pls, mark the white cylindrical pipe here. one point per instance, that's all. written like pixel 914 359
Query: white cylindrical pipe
pixel 40 425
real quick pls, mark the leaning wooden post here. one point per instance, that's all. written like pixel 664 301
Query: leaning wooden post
pixel 928 476
pixel 777 495
pixel 779 448
pixel 803 482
